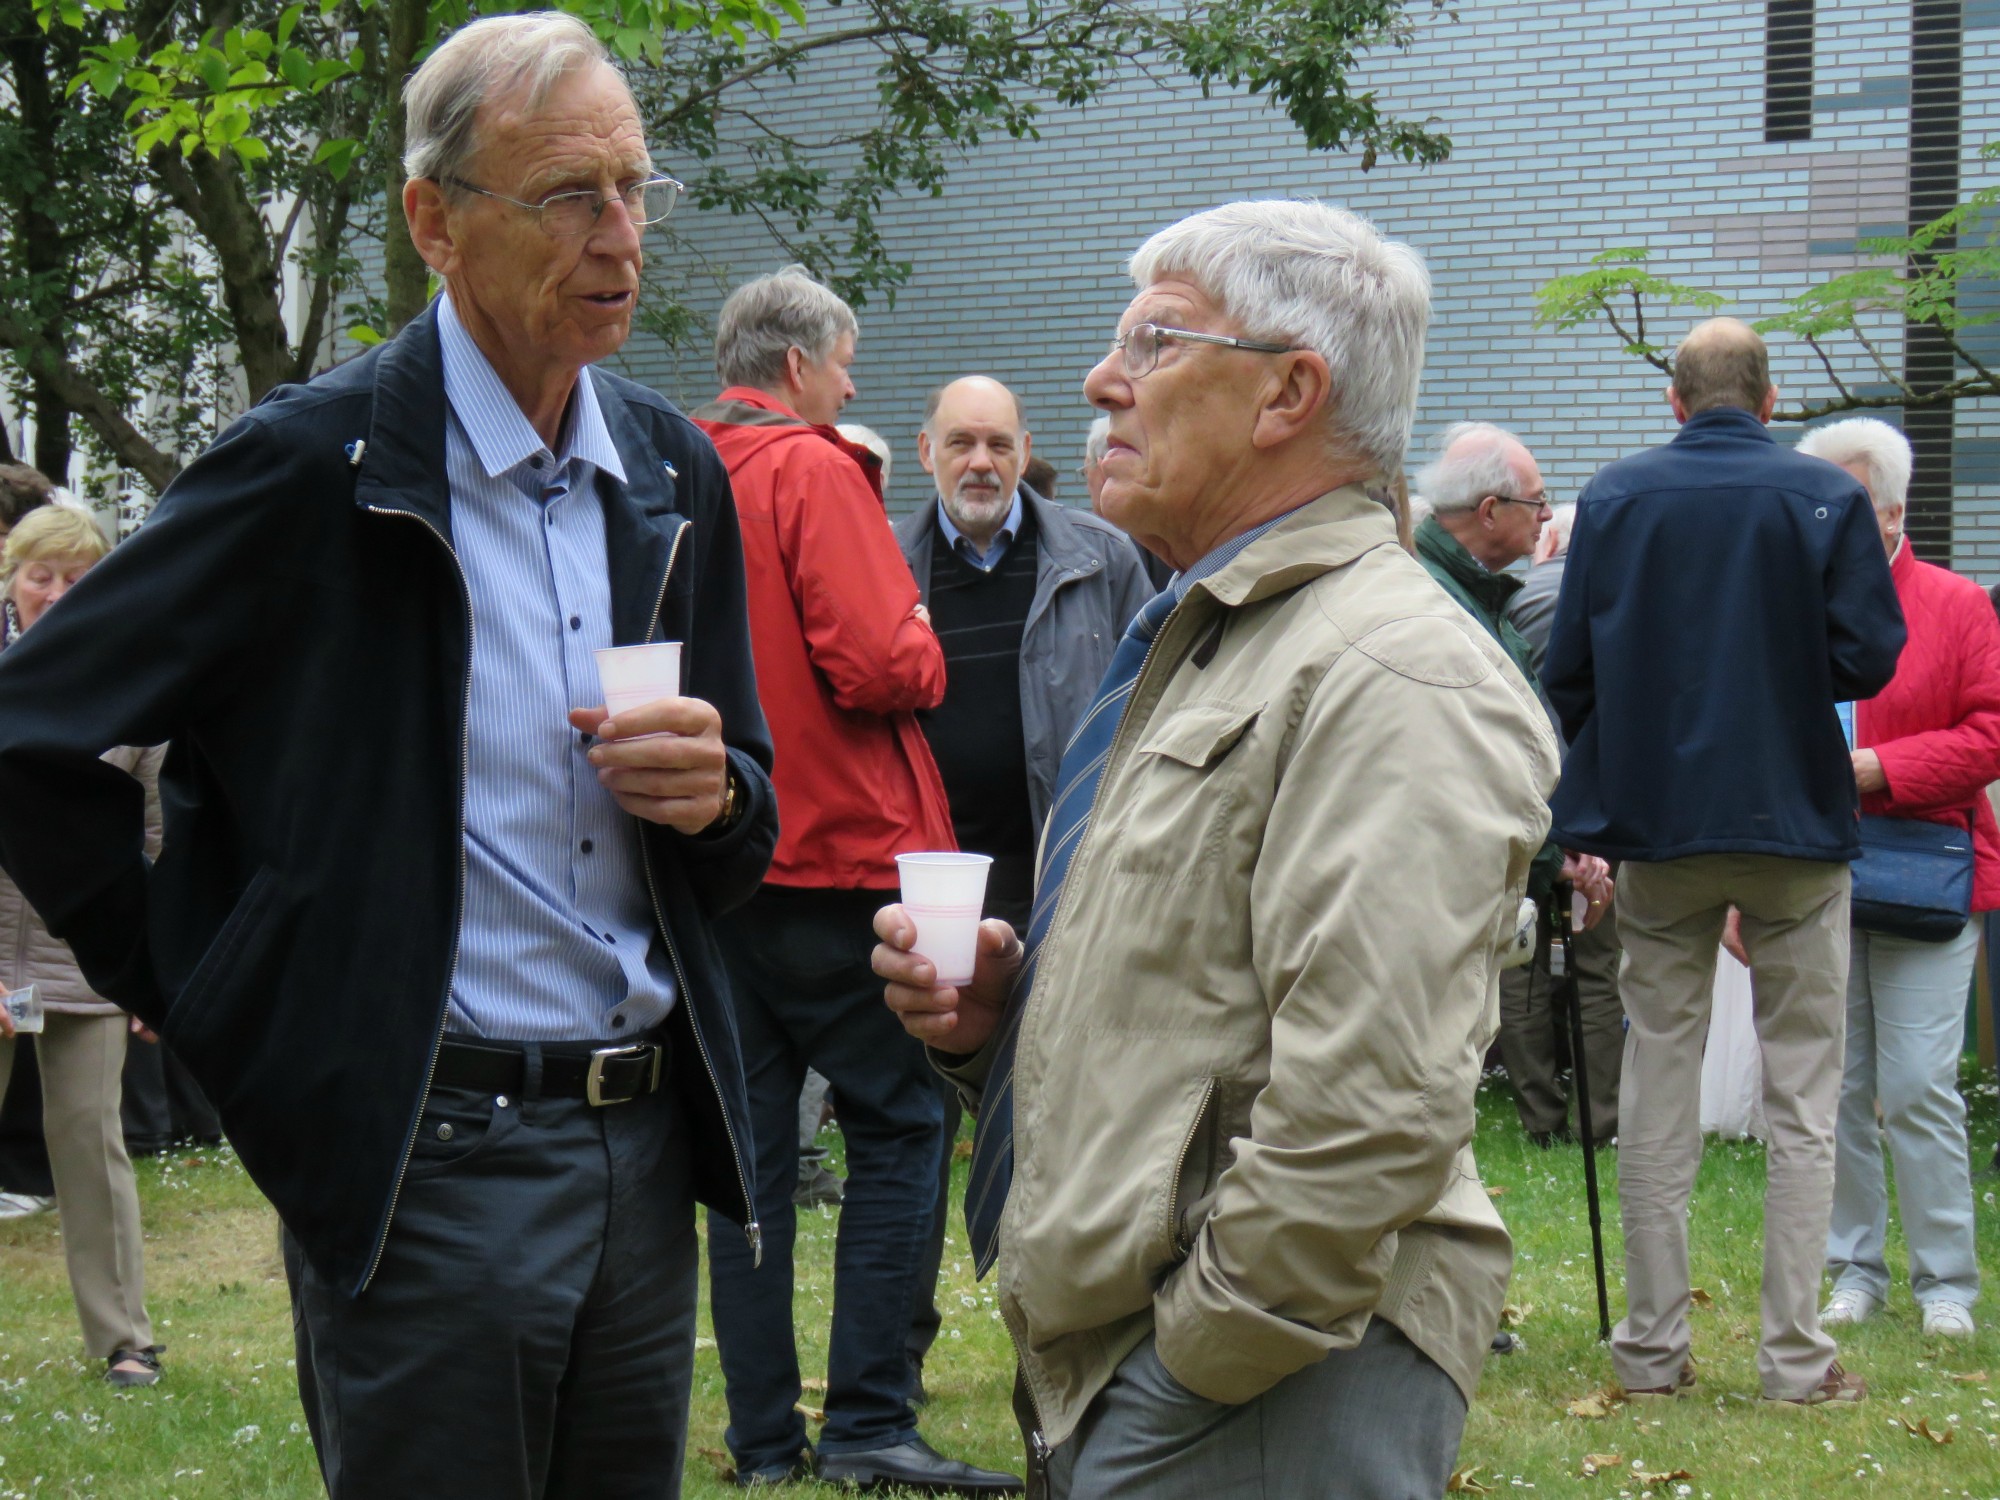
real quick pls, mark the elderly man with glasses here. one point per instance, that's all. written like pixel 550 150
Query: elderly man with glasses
pixel 1488 507
pixel 434 931
pixel 1225 1079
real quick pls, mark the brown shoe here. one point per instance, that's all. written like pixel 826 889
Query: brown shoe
pixel 1837 1385
pixel 1682 1382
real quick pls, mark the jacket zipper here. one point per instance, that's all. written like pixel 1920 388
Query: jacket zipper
pixel 1017 1334
pixel 458 921
pixel 1180 1243
pixel 753 1232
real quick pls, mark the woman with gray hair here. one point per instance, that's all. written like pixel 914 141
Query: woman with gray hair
pixel 1925 748
pixel 81 1043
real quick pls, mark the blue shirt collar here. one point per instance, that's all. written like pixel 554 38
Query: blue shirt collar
pixel 996 549
pixel 500 433
pixel 1222 556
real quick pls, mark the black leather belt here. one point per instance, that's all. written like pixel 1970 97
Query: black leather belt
pixel 598 1075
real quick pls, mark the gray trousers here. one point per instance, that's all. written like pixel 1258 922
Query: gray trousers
pixel 1795 928
pixel 529 1334
pixel 1380 1421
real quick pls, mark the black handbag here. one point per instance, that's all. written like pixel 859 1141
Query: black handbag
pixel 1914 879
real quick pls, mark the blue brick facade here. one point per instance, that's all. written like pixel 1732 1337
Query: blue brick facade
pixel 1576 127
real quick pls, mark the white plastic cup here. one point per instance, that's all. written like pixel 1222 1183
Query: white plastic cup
pixel 633 676
pixel 944 894
pixel 24 1008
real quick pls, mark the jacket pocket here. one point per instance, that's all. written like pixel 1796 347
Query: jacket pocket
pixel 1177 797
pixel 242 940
pixel 1194 1175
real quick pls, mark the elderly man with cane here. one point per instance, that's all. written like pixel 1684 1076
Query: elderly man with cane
pixel 1225 1083
pixel 433 929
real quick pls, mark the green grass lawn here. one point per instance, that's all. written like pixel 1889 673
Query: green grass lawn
pixel 225 1422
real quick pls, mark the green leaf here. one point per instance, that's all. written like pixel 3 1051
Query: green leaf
pixel 362 334
pixel 213 69
pixel 288 22
pixel 250 150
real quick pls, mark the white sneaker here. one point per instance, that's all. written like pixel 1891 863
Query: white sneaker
pixel 1946 1319
pixel 1849 1305
pixel 21 1205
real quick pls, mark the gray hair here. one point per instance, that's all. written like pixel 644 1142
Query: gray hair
pixel 1457 482
pixel 1304 272
pixel 765 319
pixel 869 438
pixel 493 58
pixel 1099 440
pixel 1874 447
pixel 1561 522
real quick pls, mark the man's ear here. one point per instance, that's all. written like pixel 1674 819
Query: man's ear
pixel 429 218
pixel 1294 400
pixel 795 369
pixel 1674 401
pixel 1768 405
pixel 924 450
pixel 1027 447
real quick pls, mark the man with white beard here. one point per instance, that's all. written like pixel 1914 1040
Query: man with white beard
pixel 1028 599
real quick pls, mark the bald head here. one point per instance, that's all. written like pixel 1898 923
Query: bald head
pixel 975 443
pixel 1722 363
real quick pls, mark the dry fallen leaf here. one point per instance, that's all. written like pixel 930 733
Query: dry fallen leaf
pixel 1599 1403
pixel 1667 1477
pixel 810 1413
pixel 704 1343
pixel 725 1470
pixel 1594 1463
pixel 1922 1428
pixel 1462 1482
pixel 814 1384
pixel 1702 1300
pixel 1514 1314
pixel 1970 1377
pixel 1496 1192
pixel 962 1151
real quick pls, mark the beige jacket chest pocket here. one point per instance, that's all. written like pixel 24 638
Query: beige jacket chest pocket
pixel 1180 793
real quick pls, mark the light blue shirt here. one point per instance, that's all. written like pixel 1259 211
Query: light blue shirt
pixel 989 559
pixel 557 942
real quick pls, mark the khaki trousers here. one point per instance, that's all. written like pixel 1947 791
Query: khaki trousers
pixel 81 1059
pixel 1795 929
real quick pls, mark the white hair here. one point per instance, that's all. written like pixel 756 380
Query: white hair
pixel 1874 447
pixel 1475 459
pixel 1420 510
pixel 494 58
pixel 765 319
pixel 1095 446
pixel 1561 522
pixel 869 438
pixel 1306 273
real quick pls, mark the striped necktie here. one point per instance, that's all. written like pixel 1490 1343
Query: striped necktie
pixel 1076 781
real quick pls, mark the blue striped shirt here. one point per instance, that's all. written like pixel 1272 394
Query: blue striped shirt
pixel 557 941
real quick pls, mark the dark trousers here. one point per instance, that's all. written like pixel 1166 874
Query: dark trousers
pixel 530 1330
pixel 24 1154
pixel 1534 1031
pixel 163 1105
pixel 805 995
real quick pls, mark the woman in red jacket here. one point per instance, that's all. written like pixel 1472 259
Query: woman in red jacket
pixel 1926 747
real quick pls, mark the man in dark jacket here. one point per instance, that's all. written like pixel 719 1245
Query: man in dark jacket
pixel 1488 507
pixel 1029 599
pixel 1722 595
pixel 433 932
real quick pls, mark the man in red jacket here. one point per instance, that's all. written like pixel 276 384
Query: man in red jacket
pixel 845 657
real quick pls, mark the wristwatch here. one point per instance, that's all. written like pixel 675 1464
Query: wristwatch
pixel 731 802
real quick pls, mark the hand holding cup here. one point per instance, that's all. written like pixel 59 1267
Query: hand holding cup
pixel 952 1018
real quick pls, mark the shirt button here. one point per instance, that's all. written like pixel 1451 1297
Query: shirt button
pixel 535 462
pixel 617 1023
pixel 610 937
pixel 576 622
pixel 582 739
pixel 586 846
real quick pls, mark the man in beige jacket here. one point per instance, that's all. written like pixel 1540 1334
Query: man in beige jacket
pixel 1226 1085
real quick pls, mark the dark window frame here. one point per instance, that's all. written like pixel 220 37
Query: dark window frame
pixel 1788 70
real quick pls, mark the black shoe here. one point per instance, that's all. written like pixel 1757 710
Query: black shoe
pixel 797 1472
pixel 914 1465
pixel 919 1395
pixel 148 1374
pixel 1503 1342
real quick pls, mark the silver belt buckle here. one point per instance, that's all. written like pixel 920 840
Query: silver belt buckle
pixel 593 1084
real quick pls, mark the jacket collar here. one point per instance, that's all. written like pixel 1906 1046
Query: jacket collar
pixel 1491 589
pixel 746 406
pixel 1724 421
pixel 1062 548
pixel 1904 563
pixel 500 432
pixel 1322 535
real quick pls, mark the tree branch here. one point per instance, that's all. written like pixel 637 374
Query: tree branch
pixel 127 444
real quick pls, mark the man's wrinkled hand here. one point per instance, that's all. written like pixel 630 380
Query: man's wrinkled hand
pixel 959 1019
pixel 1732 937
pixel 1591 879
pixel 1868 773
pixel 664 762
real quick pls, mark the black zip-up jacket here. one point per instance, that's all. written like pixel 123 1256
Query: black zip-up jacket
pixel 293 620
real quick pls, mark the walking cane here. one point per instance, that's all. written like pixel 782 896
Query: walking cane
pixel 1573 1003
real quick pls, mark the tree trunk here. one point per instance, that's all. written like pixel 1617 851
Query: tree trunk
pixel 49 369
pixel 42 253
pixel 404 273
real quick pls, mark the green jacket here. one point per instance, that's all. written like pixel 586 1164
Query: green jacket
pixel 1483 594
